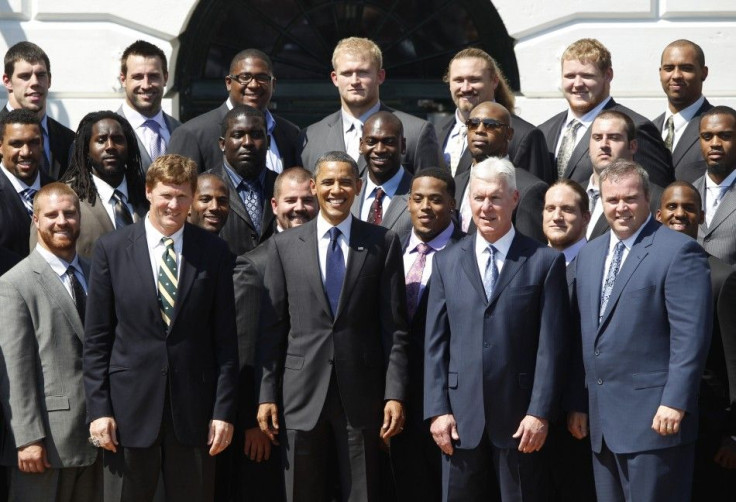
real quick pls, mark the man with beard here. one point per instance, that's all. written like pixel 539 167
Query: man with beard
pixel 211 204
pixel 244 145
pixel 42 306
pixel 385 184
pixel 717 234
pixel 106 175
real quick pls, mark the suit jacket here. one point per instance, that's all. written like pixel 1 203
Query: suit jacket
pixel 718 238
pixel 130 358
pixel 422 149
pixel 630 371
pixel 8 260
pixel 527 149
pixel 15 224
pixel 199 139
pixel 239 232
pixel 490 363
pixel 527 216
pixel 41 371
pixel 652 154
pixel 601 226
pixel 301 345
pixel 171 125
pixel 687 157
pixel 396 217
pixel 61 139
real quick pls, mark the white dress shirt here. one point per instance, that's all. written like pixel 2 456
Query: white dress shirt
pixel 586 121
pixel 437 244
pixel 106 193
pixel 323 240
pixel 712 191
pixel 352 129
pixel 680 119
pixel 137 120
pixel 60 267
pixel 628 242
pixel 156 248
pixel 502 246
pixel 389 190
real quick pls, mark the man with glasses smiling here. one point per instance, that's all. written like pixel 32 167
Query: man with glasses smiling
pixel 250 82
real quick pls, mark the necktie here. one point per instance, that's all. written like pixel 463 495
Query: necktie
pixel 46 162
pixel 593 196
pixel 27 196
pixel 717 193
pixel 669 141
pixel 414 278
pixel 618 252
pixel 154 141
pixel 335 270
pixel 456 147
pixel 122 213
pixel 78 295
pixel 353 147
pixel 252 196
pixel 491 275
pixel 567 146
pixel 167 281
pixel 375 215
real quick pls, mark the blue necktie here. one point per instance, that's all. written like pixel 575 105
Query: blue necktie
pixel 27 196
pixel 618 252
pixel 335 270
pixel 252 196
pixel 491 275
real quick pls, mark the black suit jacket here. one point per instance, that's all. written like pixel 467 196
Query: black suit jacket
pixel 601 226
pixel 15 224
pixel 61 139
pixel 239 232
pixel 199 139
pixel 301 344
pixel 8 260
pixel 652 154
pixel 129 356
pixel 527 149
pixel 687 157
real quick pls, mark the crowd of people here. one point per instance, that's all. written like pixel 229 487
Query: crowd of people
pixel 374 307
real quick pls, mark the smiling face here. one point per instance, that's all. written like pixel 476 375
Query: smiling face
pixel 584 85
pixel 57 223
pixel 21 149
pixel 492 203
pixel 471 83
pixel 29 85
pixel 211 204
pixel 295 205
pixel 169 206
pixel 430 206
pixel 255 94
pixel 108 151
pixel 335 188
pixel 144 84
pixel 563 222
pixel 681 76
pixel 680 209
pixel 625 204
pixel 382 145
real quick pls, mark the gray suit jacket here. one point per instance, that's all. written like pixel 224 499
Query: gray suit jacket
pixel 396 217
pixel 719 239
pixel 422 148
pixel 41 370
pixel 171 125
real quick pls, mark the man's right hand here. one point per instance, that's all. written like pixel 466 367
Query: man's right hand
pixel 104 430
pixel 32 458
pixel 268 420
pixel 577 424
pixel 257 446
pixel 444 432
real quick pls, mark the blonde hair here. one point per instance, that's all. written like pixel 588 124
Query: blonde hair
pixel 588 50
pixel 503 94
pixel 359 46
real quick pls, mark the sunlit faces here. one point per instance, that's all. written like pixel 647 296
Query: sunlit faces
pixel 169 206
pixel 485 141
pixel 679 209
pixel 211 204
pixel 29 85
pixel 584 85
pixel 625 204
pixel 382 146
pixel 295 205
pixel 563 222
pixel 357 79
pixel 144 83
pixel 471 83
pixel 57 223
pixel 717 144
pixel 254 93
pixel 608 142
pixel 681 76
pixel 430 206
pixel 335 188
pixel 21 149
pixel 108 151
pixel 492 204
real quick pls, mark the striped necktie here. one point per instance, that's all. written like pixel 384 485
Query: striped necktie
pixel 27 196
pixel 167 281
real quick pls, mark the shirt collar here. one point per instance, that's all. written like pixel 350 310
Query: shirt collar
pixel 20 185
pixel 628 242
pixel 589 117
pixel 323 226
pixel 236 178
pixel 58 265
pixel 153 236
pixel 437 244
pixel 137 119
pixel 389 188
pixel 572 251
pixel 709 183
pixel 685 115
pixel 502 245
pixel 348 121
pixel 592 186
pixel 106 191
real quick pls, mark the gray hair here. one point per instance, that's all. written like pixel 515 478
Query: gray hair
pixel 495 168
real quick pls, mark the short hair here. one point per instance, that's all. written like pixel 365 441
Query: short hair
pixel 503 94
pixel 296 174
pixel 174 169
pixel 588 50
pixel 212 176
pixel 251 54
pixel 19 116
pixel 583 203
pixel 621 168
pixel 684 184
pixel 699 54
pixel 358 45
pixel 237 112
pixel 629 126
pixel 494 168
pixel 438 173
pixel 387 117
pixel 716 110
pixel 336 156
pixel 145 49
pixel 55 188
pixel 28 52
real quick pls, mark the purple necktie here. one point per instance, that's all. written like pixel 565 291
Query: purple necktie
pixel 414 278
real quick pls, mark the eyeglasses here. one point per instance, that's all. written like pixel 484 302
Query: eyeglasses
pixel 490 124
pixel 245 78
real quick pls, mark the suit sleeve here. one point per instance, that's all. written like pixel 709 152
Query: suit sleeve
pixel 528 218
pixel 574 394
pixel 184 142
pixel 727 322
pixel 427 152
pixel 436 346
pixel 393 321
pixel 532 155
pixel 21 400
pixel 690 314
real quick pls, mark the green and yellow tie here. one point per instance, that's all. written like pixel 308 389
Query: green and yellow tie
pixel 167 281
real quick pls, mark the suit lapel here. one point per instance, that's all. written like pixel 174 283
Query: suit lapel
pixel 309 240
pixel 138 255
pixel 470 266
pixel 725 208
pixel 356 258
pixel 103 219
pixel 398 203
pixel 554 133
pixel 511 266
pixel 190 257
pixel 357 206
pixel 236 203
pixel 579 153
pixel 465 162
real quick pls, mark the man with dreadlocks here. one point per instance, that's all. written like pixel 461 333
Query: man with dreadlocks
pixel 105 172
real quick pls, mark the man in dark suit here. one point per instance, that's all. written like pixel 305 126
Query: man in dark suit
pixel 42 304
pixel 106 175
pixel 416 461
pixel 332 362
pixel 489 135
pixel 717 234
pixel 682 72
pixel 586 84
pixel 20 177
pixel 715 450
pixel 244 148
pixel 27 79
pixel 211 203
pixel 160 351
pixel 385 183
pixel 496 337
pixel 474 77
pixel 612 137
pixel 143 74
pixel 642 383
pixel 357 73
pixel 8 260
pixel 251 82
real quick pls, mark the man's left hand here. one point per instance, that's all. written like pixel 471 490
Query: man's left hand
pixel 219 437
pixel 533 433
pixel 667 420
pixel 393 419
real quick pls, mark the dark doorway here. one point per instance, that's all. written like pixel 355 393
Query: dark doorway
pixel 417 37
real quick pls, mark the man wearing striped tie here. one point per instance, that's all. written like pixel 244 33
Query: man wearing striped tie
pixel 160 358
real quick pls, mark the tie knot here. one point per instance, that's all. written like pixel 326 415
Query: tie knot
pixel 334 234
pixel 168 242
pixel 670 121
pixel 70 271
pixel 379 193
pixel 492 250
pixel 423 248
pixel 118 196
pixel 619 247
pixel 574 125
pixel 152 125
pixel 29 193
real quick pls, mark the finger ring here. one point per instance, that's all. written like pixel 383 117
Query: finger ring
pixel 227 442
pixel 94 441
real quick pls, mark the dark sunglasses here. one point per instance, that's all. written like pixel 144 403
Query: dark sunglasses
pixel 491 124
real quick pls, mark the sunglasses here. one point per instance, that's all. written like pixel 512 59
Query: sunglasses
pixel 490 124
